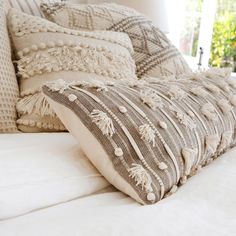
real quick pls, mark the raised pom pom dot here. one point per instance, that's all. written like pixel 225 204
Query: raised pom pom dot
pixel 190 113
pixel 162 166
pixel 60 43
pixel 20 54
pixel 151 197
pixel 42 45
pixel 118 152
pixel 72 97
pixel 122 109
pixel 163 125
pixel 183 180
pixel 26 50
pixel 51 44
pixel 34 47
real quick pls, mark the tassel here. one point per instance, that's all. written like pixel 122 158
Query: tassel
pixel 162 166
pixel 199 91
pixel 58 85
pixel 223 85
pixel 224 106
pixel 147 134
pixel 176 93
pixel 209 111
pixel 141 177
pixel 103 122
pixel 232 99
pixel 225 142
pixel 189 156
pixel 212 88
pixel 152 99
pixel 212 142
pixel 36 103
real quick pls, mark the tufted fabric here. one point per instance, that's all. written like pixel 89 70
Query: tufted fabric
pixel 8 83
pixel 154 53
pixel 31 7
pixel 46 51
pixel 148 137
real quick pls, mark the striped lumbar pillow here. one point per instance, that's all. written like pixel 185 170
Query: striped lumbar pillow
pixel 147 138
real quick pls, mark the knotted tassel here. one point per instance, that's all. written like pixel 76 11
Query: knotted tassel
pixel 209 111
pixel 103 122
pixel 189 156
pixel 176 93
pixel 147 134
pixel 151 98
pixel 232 99
pixel 199 91
pixel 36 103
pixel 141 177
pixel 225 142
pixel 224 106
pixel 212 141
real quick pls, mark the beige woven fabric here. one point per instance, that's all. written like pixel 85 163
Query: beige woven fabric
pixel 148 138
pixel 154 53
pixel 31 7
pixel 8 83
pixel 47 52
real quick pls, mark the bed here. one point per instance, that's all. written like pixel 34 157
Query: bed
pixel 200 207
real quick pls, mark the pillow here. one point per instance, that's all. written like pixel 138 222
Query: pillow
pixel 154 53
pixel 47 52
pixel 147 138
pixel 31 7
pixel 8 83
pixel 42 170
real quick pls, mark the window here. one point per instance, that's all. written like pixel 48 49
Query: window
pixel 209 24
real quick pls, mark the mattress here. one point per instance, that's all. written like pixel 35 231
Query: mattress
pixel 205 205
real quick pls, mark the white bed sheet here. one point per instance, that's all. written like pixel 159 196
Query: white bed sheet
pixel 205 206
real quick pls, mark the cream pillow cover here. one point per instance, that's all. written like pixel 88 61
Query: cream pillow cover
pixel 47 52
pixel 154 54
pixel 8 84
pixel 147 138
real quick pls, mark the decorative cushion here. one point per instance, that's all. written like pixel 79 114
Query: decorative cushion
pixel 31 7
pixel 147 138
pixel 154 53
pixel 8 83
pixel 47 52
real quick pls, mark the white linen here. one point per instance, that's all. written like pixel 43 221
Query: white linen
pixel 39 170
pixel 205 205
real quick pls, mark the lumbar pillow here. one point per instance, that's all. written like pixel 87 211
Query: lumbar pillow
pixel 47 52
pixel 9 91
pixel 154 53
pixel 147 138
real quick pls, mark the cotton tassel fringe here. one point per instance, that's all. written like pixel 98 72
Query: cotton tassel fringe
pixel 36 103
pixel 232 99
pixel 209 111
pixel 152 99
pixel 141 177
pixel 103 122
pixel 189 156
pixel 176 93
pixel 212 142
pixel 212 88
pixel 225 142
pixel 147 134
pixel 224 106
pixel 199 91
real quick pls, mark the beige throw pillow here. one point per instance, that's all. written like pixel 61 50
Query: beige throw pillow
pixel 148 138
pixel 47 52
pixel 8 83
pixel 154 54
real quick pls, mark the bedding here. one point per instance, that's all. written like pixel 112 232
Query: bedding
pixel 47 51
pixel 9 91
pixel 199 208
pixel 41 170
pixel 154 54
pixel 149 136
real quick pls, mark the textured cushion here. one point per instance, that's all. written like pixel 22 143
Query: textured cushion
pixel 147 138
pixel 8 83
pixel 31 7
pixel 47 52
pixel 154 53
